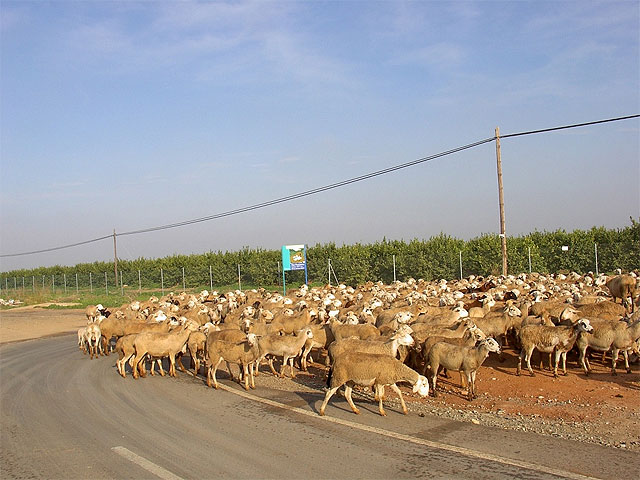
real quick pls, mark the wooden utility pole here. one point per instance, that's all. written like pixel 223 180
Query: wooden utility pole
pixel 115 258
pixel 503 235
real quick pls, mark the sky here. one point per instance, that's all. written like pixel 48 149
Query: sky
pixel 130 115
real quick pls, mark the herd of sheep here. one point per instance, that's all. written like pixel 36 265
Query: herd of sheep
pixel 375 335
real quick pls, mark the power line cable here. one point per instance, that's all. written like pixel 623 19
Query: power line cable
pixel 58 248
pixel 309 192
pixel 531 132
pixel 319 189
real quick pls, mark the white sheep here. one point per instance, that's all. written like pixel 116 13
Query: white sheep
pixel 548 339
pixel 465 360
pixel 244 353
pixel 609 334
pixel 92 339
pixel 158 345
pixel 286 346
pixel 370 369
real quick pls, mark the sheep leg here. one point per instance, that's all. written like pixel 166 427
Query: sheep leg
pixel 246 377
pixel 520 357
pixel 582 359
pixel 528 359
pixel 614 359
pixel 379 392
pixel 251 376
pixel 327 396
pixel 395 388
pixel 158 362
pixel 179 362
pixel 172 366
pixel 271 366
pixel 555 365
pixel 303 360
pixel 293 373
pixel 471 385
pixel 212 373
pixel 625 354
pixel 136 362
pixel 347 394
pixel 434 375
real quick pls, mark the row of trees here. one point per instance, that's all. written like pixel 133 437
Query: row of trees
pixel 438 257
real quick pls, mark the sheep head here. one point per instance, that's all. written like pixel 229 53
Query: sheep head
pixel 491 344
pixel 584 325
pixel 421 387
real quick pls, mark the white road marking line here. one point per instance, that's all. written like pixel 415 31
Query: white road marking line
pixel 418 441
pixel 157 470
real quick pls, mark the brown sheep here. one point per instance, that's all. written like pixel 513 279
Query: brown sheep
pixel 622 287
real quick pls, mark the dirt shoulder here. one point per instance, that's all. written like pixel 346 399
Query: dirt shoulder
pixel 27 323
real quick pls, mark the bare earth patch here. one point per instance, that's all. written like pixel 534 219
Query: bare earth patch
pixel 599 408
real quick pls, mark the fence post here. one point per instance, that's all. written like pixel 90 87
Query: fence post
pixel 239 281
pixel 90 283
pixel 210 278
pixel 329 272
pixel 53 283
pixel 33 283
pixel 139 282
pixel 162 281
pixel 460 264
pixel 595 246
pixel 394 268
pixel 23 285
pixel 64 276
pixel 43 282
pixel 183 283
pixel 106 285
pixel 76 283
pixel 529 259
pixel 121 284
pixel 15 283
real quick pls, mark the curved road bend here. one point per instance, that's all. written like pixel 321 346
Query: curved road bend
pixel 64 416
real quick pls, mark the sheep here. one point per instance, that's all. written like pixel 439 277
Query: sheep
pixel 289 324
pixel 605 335
pixel 546 339
pixel 195 347
pixel 422 331
pixel 126 351
pixel 322 337
pixel 445 318
pixel 468 339
pixel 118 327
pixel 81 339
pixel 465 360
pixel 92 312
pixel 487 303
pixel 607 309
pixel 228 335
pixel 363 331
pixel 388 347
pixel 370 369
pixel 286 346
pixel 157 344
pixel 497 324
pixel 92 338
pixel 622 287
pixel 245 353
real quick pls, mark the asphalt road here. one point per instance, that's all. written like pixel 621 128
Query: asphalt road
pixel 65 416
